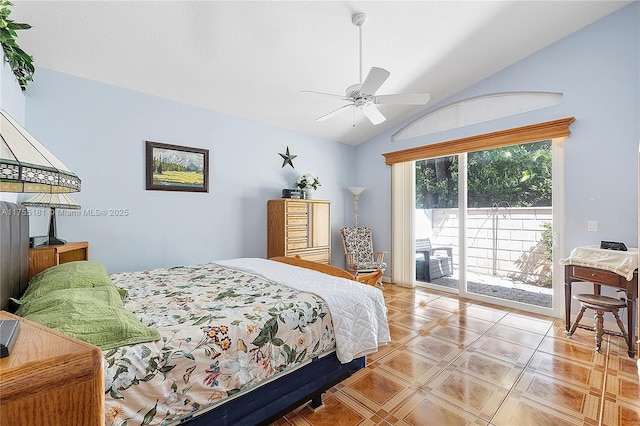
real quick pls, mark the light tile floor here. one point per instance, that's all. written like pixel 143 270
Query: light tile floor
pixel 461 362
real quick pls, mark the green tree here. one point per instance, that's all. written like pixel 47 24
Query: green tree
pixel 518 174
pixel 437 182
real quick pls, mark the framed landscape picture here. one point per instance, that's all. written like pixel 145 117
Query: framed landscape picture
pixel 177 168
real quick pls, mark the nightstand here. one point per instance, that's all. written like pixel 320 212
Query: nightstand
pixel 41 258
pixel 51 378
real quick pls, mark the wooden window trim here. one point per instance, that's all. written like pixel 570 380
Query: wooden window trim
pixel 531 133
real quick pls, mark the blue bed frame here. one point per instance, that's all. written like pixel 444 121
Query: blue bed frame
pixel 271 401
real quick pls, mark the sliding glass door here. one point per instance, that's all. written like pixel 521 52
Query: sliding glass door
pixel 437 231
pixel 483 223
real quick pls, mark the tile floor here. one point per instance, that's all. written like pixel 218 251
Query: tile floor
pixel 461 362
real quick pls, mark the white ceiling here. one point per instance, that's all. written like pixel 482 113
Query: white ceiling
pixel 252 59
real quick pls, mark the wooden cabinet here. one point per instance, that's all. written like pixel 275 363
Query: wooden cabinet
pixel 51 379
pixel 41 258
pixel 299 227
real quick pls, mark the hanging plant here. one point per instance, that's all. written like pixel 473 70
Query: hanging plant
pixel 20 62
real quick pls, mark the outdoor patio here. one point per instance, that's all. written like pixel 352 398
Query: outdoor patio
pixel 501 288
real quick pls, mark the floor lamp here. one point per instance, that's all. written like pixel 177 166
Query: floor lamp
pixel 356 191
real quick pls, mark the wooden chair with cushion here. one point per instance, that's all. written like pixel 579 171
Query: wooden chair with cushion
pixel 358 251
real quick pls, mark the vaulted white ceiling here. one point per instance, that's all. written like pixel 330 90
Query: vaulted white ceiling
pixel 252 59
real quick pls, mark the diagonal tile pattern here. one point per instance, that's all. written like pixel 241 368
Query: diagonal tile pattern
pixel 454 361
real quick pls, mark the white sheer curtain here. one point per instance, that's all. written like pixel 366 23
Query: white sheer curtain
pixel 403 202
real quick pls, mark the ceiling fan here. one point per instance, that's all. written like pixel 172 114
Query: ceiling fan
pixel 362 96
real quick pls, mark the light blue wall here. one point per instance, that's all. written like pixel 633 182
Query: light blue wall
pixel 598 71
pixel 11 96
pixel 99 132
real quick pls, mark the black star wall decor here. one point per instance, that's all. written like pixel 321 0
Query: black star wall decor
pixel 288 158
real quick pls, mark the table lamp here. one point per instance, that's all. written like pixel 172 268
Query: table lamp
pixel 27 166
pixel 53 201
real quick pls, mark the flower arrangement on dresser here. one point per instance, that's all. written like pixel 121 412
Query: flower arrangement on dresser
pixel 308 183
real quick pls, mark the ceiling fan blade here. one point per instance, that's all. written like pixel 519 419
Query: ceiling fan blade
pixel 373 114
pixel 334 112
pixel 331 95
pixel 374 80
pixel 403 99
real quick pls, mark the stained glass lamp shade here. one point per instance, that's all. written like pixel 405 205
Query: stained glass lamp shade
pixel 27 166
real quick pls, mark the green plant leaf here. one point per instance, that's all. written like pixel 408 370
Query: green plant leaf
pixel 19 61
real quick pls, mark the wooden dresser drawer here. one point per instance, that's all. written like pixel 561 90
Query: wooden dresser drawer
pixel 297 244
pixel 297 221
pixel 596 275
pixel 297 233
pixel 320 256
pixel 297 208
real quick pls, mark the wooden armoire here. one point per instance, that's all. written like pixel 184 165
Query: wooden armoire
pixel 299 227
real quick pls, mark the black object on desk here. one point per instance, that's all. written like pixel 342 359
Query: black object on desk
pixel 8 333
pixel 613 245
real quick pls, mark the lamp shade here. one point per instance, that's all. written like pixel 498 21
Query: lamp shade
pixel 356 190
pixel 53 201
pixel 59 201
pixel 27 166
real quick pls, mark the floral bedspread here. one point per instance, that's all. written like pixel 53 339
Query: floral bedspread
pixel 223 332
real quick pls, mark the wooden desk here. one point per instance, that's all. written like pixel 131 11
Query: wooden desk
pixel 599 277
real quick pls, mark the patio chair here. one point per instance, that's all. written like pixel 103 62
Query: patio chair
pixel 438 261
pixel 358 250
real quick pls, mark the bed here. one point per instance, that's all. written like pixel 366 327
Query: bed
pixel 239 341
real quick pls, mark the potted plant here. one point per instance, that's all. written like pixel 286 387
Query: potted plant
pixel 20 62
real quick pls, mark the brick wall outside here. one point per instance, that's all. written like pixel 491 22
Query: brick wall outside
pixel 505 242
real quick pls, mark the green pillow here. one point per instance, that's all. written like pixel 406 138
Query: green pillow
pixel 67 297
pixel 94 315
pixel 79 274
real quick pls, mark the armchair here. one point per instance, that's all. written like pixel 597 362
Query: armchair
pixel 438 261
pixel 358 250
